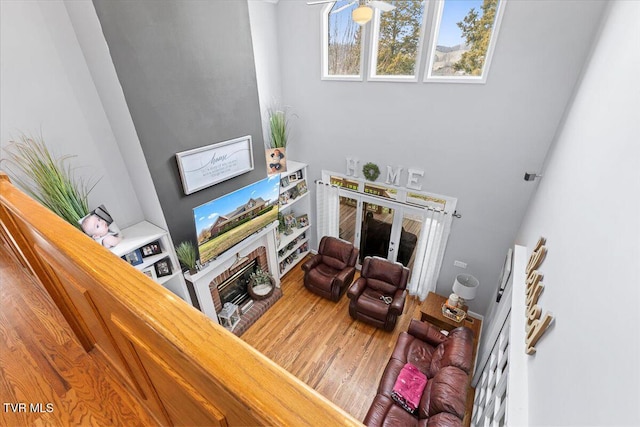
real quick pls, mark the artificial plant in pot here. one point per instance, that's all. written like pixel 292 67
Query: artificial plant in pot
pixel 48 180
pixel 276 149
pixel 260 284
pixel 186 253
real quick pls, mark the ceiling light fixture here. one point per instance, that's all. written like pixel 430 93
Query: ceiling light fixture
pixel 362 14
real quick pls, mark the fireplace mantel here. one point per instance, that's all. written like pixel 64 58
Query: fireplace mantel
pixel 201 280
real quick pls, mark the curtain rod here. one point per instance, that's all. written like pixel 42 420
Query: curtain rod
pixel 455 214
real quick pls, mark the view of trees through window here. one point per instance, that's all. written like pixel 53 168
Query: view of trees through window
pixel 463 39
pixel 344 39
pixel 464 30
pixel 399 38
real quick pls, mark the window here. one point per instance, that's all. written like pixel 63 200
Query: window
pixel 397 40
pixel 460 45
pixel 463 42
pixel 342 43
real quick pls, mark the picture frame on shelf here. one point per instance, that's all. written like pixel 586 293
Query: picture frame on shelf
pixel 293 177
pixel 150 272
pixel 133 258
pixel 284 181
pixel 152 248
pixel 293 193
pixel 302 221
pixel 302 187
pixel 163 267
pixel 290 221
pixel 299 174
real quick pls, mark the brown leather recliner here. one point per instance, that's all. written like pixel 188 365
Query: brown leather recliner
pixel 378 296
pixel 331 271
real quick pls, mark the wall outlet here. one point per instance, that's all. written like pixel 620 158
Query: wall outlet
pixel 460 264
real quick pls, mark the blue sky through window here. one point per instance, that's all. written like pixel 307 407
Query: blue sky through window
pixel 454 11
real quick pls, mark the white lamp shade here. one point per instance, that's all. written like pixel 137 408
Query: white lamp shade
pixel 465 286
pixel 362 14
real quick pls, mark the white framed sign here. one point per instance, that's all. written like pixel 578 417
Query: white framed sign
pixel 206 166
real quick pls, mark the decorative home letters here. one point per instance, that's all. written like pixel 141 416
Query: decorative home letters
pixel 393 174
pixel 352 167
pixel 535 327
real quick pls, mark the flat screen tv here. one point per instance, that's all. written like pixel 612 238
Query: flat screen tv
pixel 226 221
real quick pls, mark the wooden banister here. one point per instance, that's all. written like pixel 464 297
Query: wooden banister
pixel 181 366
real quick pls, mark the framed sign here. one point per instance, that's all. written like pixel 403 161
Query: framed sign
pixel 206 166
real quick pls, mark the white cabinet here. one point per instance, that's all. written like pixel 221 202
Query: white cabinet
pixel 149 249
pixel 295 205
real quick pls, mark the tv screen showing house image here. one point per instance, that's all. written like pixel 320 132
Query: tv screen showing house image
pixel 224 222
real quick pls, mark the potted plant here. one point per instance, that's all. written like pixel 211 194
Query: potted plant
pixel 260 284
pixel 186 253
pixel 48 180
pixel 276 147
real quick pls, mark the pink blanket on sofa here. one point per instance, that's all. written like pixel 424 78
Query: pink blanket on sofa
pixel 409 386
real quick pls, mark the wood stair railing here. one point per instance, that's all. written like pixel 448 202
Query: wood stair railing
pixel 182 367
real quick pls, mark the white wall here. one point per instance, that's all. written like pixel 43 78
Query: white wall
pixel 46 87
pixel 475 142
pixel 586 370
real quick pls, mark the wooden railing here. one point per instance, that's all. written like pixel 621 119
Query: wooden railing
pixel 182 367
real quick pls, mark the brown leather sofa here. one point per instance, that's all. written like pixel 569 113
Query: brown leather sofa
pixel 332 269
pixel 379 279
pixel 446 361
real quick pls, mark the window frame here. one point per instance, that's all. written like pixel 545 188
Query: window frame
pixel 324 47
pixel 435 32
pixel 373 50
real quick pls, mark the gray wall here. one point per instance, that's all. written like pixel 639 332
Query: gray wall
pixel 188 76
pixel 474 141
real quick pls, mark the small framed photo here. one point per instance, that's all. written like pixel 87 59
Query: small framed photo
pixel 302 187
pixel 299 174
pixel 293 193
pixel 293 177
pixel 134 258
pixel 302 220
pixel 150 272
pixel 151 249
pixel 289 221
pixel 163 267
pixel 284 181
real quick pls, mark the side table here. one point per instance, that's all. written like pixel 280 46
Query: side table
pixel 431 311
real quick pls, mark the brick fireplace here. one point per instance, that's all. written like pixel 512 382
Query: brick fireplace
pixel 236 265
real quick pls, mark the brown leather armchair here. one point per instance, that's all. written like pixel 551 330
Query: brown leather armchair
pixel 331 271
pixel 379 280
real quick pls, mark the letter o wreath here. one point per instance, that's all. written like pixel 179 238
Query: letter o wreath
pixel 371 171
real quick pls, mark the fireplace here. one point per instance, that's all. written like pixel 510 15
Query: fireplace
pixel 260 250
pixel 234 289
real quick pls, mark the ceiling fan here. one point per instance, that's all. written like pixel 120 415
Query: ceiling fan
pixel 364 12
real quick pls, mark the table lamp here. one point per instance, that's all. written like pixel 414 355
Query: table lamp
pixel 465 287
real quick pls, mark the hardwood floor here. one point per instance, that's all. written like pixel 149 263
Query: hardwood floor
pixel 317 341
pixel 41 363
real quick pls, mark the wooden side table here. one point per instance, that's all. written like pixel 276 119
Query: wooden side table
pixel 431 311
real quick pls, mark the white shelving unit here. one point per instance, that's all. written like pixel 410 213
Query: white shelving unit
pixel 142 234
pixel 292 248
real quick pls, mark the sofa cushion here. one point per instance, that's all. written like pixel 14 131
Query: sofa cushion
pixel 445 392
pixel 456 351
pixel 370 304
pixel 409 349
pixel 444 419
pixel 384 412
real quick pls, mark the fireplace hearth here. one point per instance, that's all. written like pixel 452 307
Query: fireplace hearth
pixel 234 289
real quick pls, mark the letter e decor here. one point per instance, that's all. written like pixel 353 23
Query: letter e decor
pixel 535 327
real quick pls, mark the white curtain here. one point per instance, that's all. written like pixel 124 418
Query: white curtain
pixel 327 210
pixel 431 245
